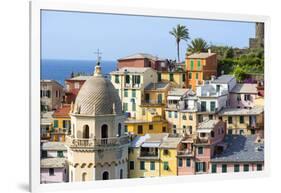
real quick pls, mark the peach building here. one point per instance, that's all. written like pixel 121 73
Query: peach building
pixel 199 67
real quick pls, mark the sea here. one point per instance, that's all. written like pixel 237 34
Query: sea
pixel 59 70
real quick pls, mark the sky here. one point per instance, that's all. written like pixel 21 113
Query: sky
pixel 77 36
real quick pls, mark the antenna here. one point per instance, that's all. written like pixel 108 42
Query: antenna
pixel 98 53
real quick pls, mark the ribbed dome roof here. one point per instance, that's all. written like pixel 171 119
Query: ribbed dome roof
pixel 97 97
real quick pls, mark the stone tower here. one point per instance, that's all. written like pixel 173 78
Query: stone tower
pixel 258 41
pixel 97 146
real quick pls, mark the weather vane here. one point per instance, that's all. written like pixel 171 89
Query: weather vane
pixel 98 53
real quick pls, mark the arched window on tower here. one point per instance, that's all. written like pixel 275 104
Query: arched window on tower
pixel 84 176
pixel 104 134
pixel 119 129
pixel 121 173
pixel 86 132
pixel 105 175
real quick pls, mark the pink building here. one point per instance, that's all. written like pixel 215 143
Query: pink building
pixel 243 95
pixel 53 170
pixel 210 134
pixel 246 153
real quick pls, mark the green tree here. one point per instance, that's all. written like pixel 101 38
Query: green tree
pixel 180 32
pixel 197 45
pixel 239 73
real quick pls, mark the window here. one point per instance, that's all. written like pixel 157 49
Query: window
pixel 171 77
pixel 218 87
pixel 159 98
pixel 121 174
pixel 166 165
pixel 188 162
pixel 159 77
pixel 180 162
pixel 200 150
pixel 259 167
pixel 119 129
pixel 76 85
pixel 196 75
pixel 66 124
pixel 133 106
pixel 150 127
pixel 229 120
pixel 105 175
pixel 126 129
pixel 51 171
pixel 247 97
pixel 170 114
pixel 190 117
pixel 241 118
pixel 183 77
pixel 84 175
pixel 184 117
pixel 198 64
pixel 142 165
pixel 212 134
pixel 164 129
pixel 246 167
pixel 176 114
pixel 166 152
pixel 127 79
pixel 213 106
pixel 236 167
pixel 190 75
pixel 211 117
pixel 241 131
pixel 60 153
pixel 137 79
pixel 56 123
pixel 117 79
pixel 174 126
pixel 214 168
pixel 125 92
pixel 140 130
pixel 224 168
pixel 152 165
pixel 147 97
pixel 203 106
pixel 133 93
pixel 229 131
pixel 191 64
pixel 200 166
pixel 238 97
pixel 125 106
pixel 132 165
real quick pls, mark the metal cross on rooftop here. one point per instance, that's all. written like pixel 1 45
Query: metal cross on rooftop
pixel 98 53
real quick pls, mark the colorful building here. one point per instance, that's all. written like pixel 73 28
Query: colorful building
pixel 177 77
pixel 73 85
pixel 199 67
pixel 243 121
pixel 130 83
pixel 46 124
pixel 241 154
pixel 51 95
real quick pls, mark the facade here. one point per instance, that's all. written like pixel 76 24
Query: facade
pixel 51 95
pixel 176 77
pixel 153 155
pixel 199 67
pixel 130 83
pixel 97 146
pixel 73 85
pixel 243 121
pixel 46 124
pixel 241 154
pixel 244 96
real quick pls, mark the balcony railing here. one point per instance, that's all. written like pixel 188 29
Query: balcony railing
pixel 185 153
pixel 152 102
pixel 95 142
pixel 149 155
pixel 202 141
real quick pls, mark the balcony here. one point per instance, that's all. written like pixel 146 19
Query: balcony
pixel 185 153
pixel 148 155
pixel 130 85
pixel 152 103
pixel 95 142
pixel 202 141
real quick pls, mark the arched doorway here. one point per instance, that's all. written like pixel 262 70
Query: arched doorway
pixel 86 132
pixel 84 176
pixel 105 175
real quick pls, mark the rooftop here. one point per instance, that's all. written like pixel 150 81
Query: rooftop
pixel 201 55
pixel 157 86
pixel 46 117
pixel 57 146
pixel 171 142
pixel 53 163
pixel 241 111
pixel 51 82
pixel 153 139
pixel 178 91
pixel 241 149
pixel 208 124
pixel 131 70
pixel 82 77
pixel 139 56
pixel 63 111
pixel 223 79
pixel 245 88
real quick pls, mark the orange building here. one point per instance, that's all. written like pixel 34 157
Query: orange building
pixel 200 67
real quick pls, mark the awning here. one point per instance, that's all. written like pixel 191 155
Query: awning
pixel 150 144
pixel 174 97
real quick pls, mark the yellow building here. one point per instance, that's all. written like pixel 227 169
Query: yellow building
pixel 154 124
pixel 61 123
pixel 243 121
pixel 154 99
pixel 153 155
pixel 177 78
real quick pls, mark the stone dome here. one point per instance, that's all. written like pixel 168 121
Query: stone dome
pixel 97 96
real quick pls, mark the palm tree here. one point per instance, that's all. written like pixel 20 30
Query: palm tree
pixel 198 45
pixel 180 32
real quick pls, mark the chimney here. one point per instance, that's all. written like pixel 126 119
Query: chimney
pixel 209 51
pixel 213 77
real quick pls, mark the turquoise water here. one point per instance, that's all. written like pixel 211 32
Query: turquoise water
pixel 60 70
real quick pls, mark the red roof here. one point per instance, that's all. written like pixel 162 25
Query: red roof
pixel 63 111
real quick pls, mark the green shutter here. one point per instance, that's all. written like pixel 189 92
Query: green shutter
pixel 214 168
pixel 191 64
pixel 197 75
pixel 126 93
pixel 198 64
pixel 236 168
pixel 152 165
pixel 56 123
pixel 133 93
